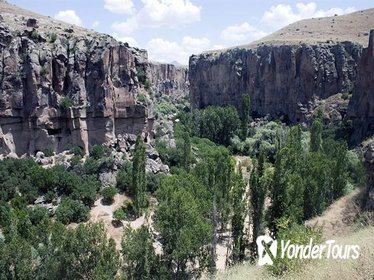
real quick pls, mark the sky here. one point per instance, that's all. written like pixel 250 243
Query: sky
pixel 172 30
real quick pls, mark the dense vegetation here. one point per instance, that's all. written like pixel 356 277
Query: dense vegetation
pixel 208 194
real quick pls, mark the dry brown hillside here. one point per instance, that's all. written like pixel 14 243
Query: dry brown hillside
pixel 353 27
pixel 16 19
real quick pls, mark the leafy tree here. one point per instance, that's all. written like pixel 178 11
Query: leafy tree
pixel 16 260
pixel 257 199
pixel 316 135
pixel 99 152
pixel 119 214
pixel 81 253
pixel 337 153
pixel 108 194
pixel 138 188
pixel 238 217
pixel 5 215
pixel 184 229
pixel 288 161
pixel 139 257
pixel 124 177
pixel 72 211
pixel 245 116
pixel 218 124
pixel 186 152
pixel 37 214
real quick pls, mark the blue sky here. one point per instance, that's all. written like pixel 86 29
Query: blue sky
pixel 172 30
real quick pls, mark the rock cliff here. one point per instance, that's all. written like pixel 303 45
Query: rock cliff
pixel 280 80
pixel 168 79
pixel 361 107
pixel 62 85
pixel 287 71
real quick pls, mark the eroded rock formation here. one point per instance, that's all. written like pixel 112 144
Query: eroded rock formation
pixel 168 79
pixel 62 85
pixel 280 80
pixel 361 107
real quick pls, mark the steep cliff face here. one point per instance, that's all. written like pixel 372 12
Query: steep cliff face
pixel 62 85
pixel 76 90
pixel 280 80
pixel 168 79
pixel 361 107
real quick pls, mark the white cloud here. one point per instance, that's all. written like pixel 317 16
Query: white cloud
pixel 195 45
pixel 95 24
pixel 127 27
pixel 69 16
pixel 165 51
pixel 130 40
pixel 125 7
pixel 242 33
pixel 157 13
pixel 281 15
pixel 168 51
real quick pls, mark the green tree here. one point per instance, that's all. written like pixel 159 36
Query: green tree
pixel 186 152
pixel 245 116
pixel 72 211
pixel 139 257
pixel 138 189
pixel 16 260
pixel 289 160
pixel 124 177
pixel 184 229
pixel 257 199
pixel 108 194
pixel 336 153
pixel 316 134
pixel 238 217
pixel 316 184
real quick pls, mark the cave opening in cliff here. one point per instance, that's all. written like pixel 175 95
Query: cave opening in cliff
pixel 54 131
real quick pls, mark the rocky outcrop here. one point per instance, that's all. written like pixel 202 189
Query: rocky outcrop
pixel 361 107
pixel 76 90
pixel 281 80
pixel 168 79
pixel 62 85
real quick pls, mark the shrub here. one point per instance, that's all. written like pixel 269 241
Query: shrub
pixel 141 98
pixel 297 234
pixel 34 35
pixel 108 194
pixel 66 103
pixel 49 196
pixel 119 214
pixel 140 73
pixel 124 177
pixel 147 84
pixel 77 151
pixel 53 38
pixel 38 214
pixel 153 181
pixel 75 160
pixel 98 152
pixel 72 211
pixel 48 152
pixel 129 209
pixel 43 71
